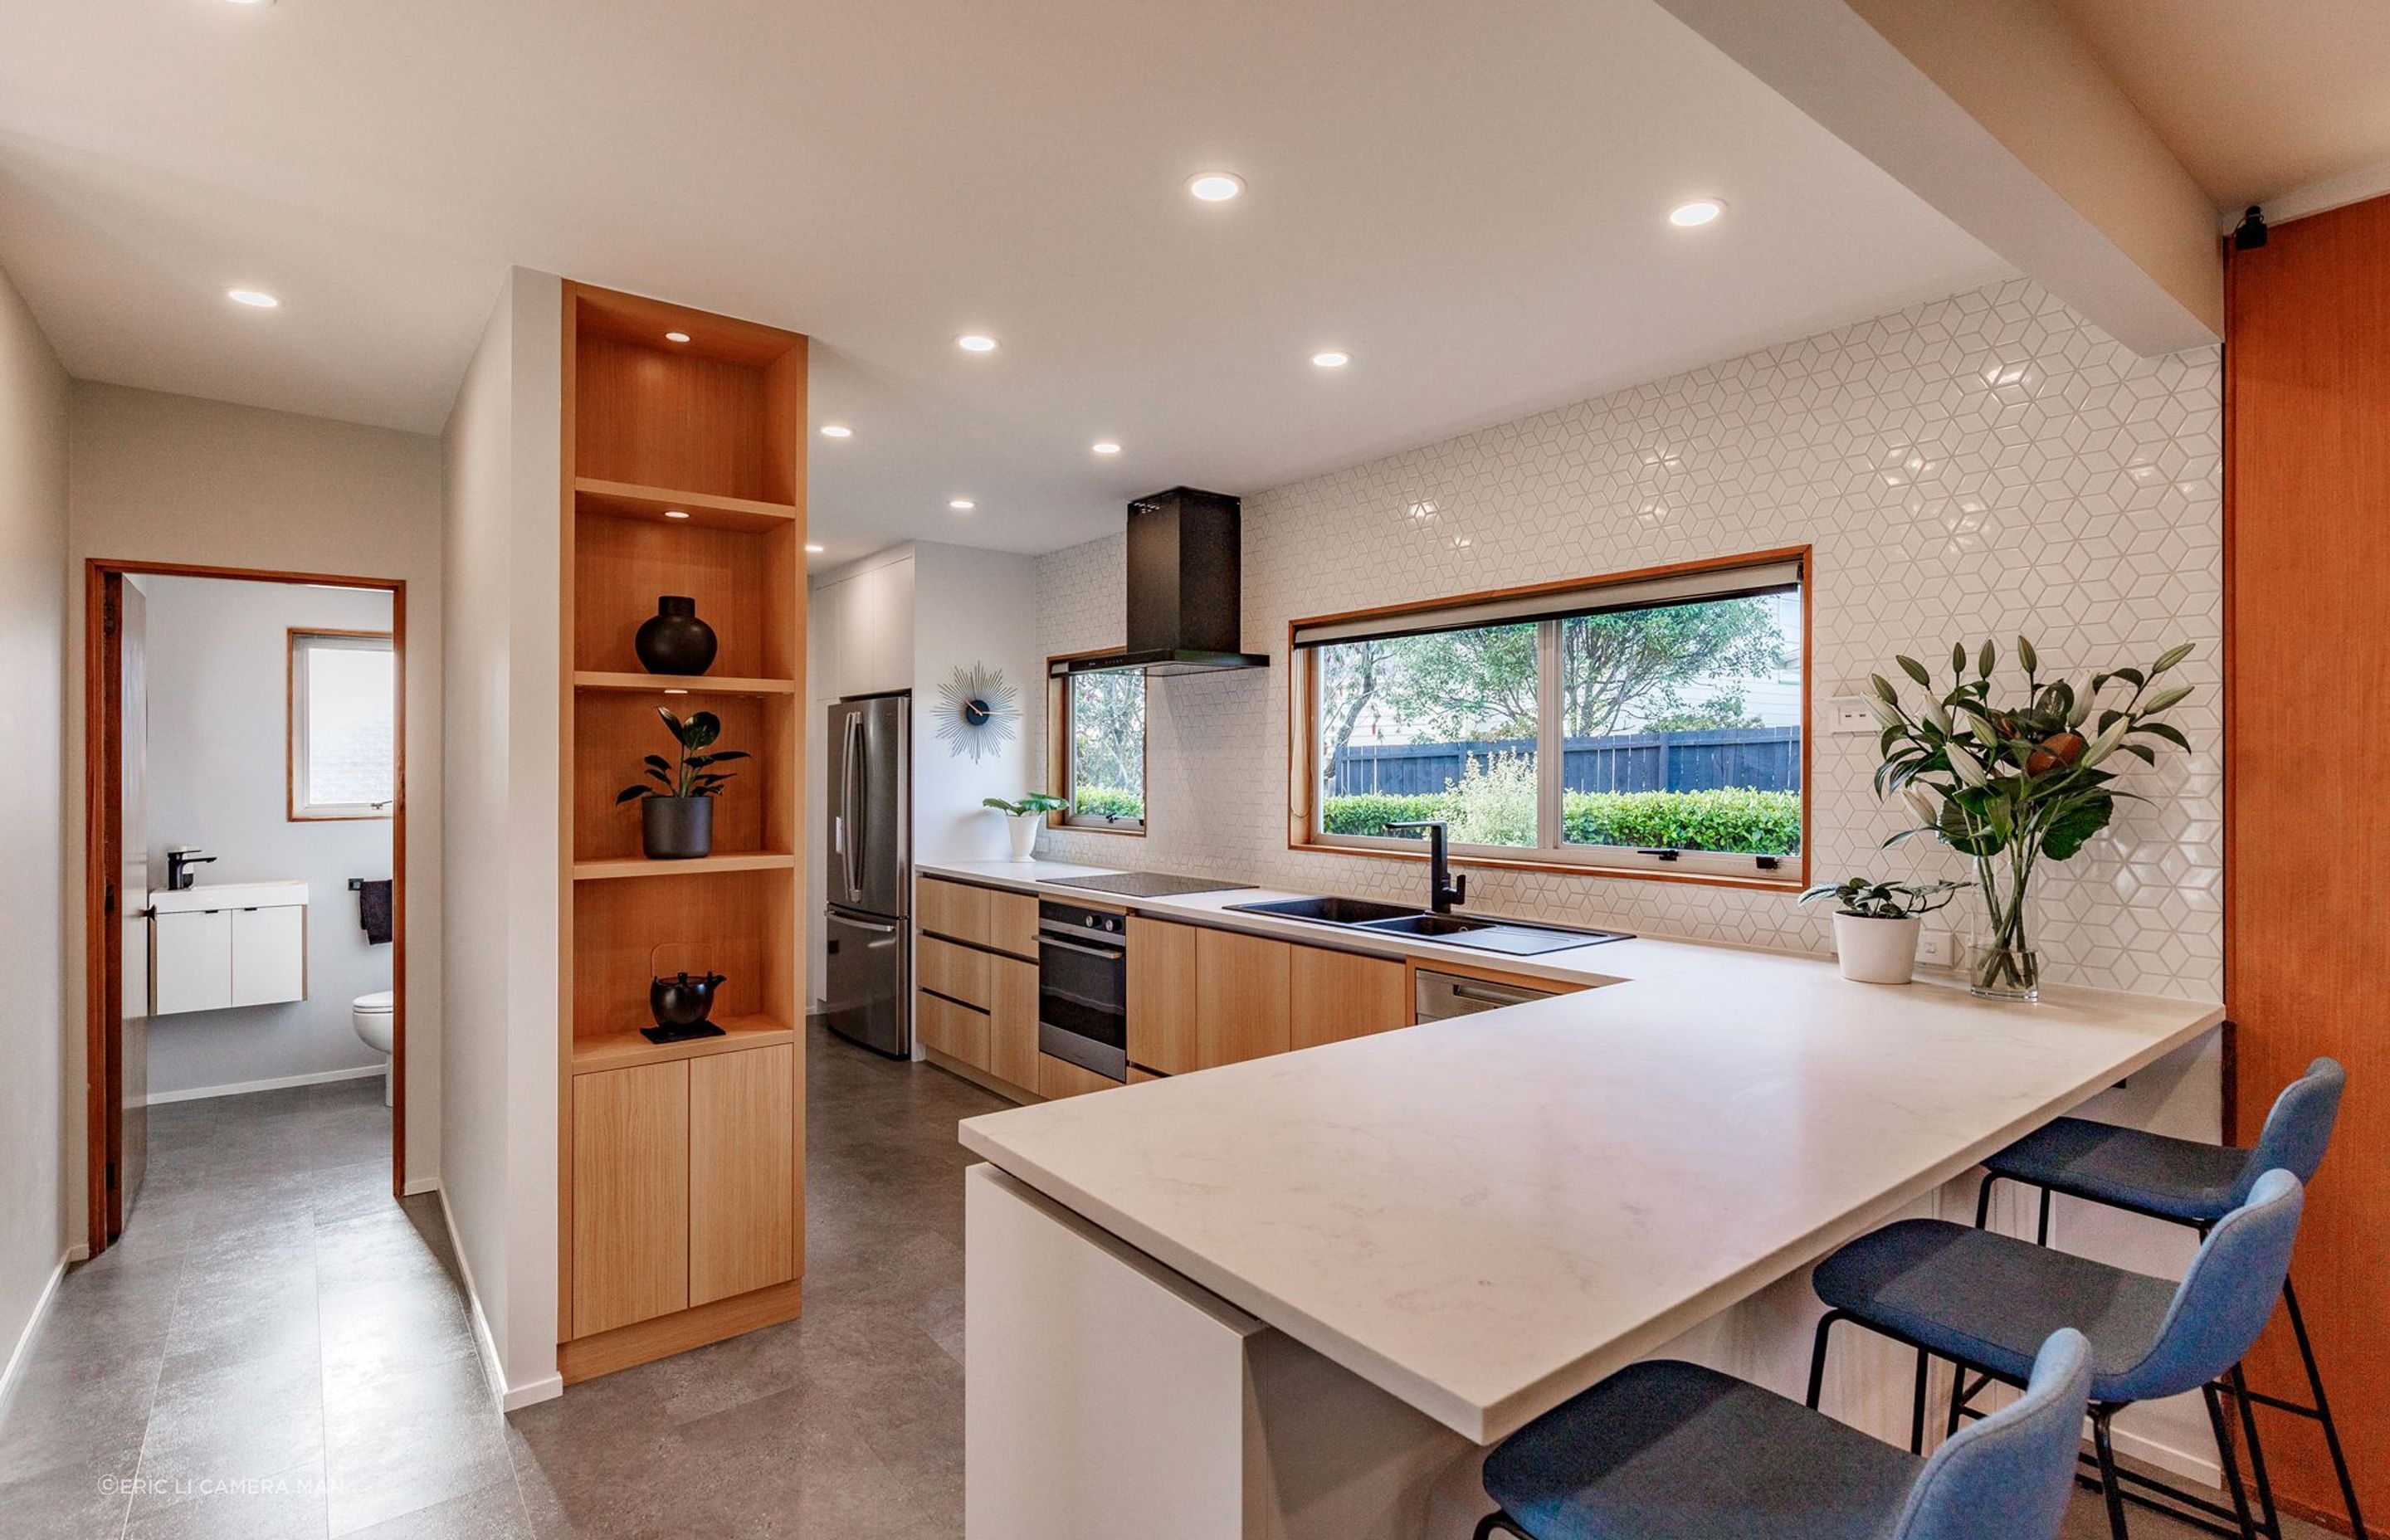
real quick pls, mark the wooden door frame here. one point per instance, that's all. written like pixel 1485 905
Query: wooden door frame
pixel 103 978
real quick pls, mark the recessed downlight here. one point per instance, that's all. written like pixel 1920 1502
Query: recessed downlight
pixel 837 431
pixel 675 513
pixel 813 550
pixel 257 3
pixel 676 337
pixel 1331 358
pixel 255 299
pixel 975 341
pixel 1216 186
pixel 961 505
pixel 1105 446
pixel 1700 211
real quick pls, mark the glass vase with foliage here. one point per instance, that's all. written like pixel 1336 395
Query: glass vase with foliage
pixel 2011 783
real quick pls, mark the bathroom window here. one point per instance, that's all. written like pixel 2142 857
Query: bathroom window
pixel 343 725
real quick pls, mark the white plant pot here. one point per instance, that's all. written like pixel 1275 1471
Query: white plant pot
pixel 1877 951
pixel 1022 827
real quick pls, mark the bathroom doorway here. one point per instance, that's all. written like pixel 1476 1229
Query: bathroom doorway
pixel 334 770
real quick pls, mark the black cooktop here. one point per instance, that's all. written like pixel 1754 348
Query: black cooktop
pixel 1146 884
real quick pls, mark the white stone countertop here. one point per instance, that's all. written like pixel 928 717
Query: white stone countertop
pixel 1483 1216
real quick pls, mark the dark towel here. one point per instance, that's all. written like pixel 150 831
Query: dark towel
pixel 373 911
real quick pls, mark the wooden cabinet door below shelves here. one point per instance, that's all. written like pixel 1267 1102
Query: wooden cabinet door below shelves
pixel 630 1196
pixel 1161 995
pixel 1242 1003
pixel 1012 1024
pixel 743 1172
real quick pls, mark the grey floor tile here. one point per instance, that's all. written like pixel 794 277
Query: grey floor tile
pixel 404 1441
pixel 287 1505
pixel 495 1512
pixel 230 1422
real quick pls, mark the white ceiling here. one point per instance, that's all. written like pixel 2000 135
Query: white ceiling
pixel 1469 197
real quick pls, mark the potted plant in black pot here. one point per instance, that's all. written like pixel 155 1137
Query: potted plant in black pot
pixel 676 813
pixel 1877 925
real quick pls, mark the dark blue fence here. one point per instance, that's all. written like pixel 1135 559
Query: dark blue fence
pixel 1764 757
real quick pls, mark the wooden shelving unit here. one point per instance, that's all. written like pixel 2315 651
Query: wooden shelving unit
pixel 681 1179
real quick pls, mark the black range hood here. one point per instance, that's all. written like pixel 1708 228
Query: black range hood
pixel 1182 590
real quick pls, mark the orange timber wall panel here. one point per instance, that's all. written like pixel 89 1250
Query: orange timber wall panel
pixel 2307 892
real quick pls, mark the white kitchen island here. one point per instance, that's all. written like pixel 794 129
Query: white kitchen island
pixel 1296 1296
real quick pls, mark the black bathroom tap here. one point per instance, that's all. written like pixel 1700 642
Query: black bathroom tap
pixel 179 861
pixel 1444 890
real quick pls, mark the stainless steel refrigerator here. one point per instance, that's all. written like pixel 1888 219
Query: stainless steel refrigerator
pixel 867 993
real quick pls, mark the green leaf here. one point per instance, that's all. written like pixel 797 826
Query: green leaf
pixel 1986 660
pixel 655 761
pixel 2169 658
pixel 1915 670
pixel 631 793
pixel 2026 656
pixel 2171 734
pixel 2131 677
pixel 2067 832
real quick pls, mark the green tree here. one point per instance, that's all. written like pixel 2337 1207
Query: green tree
pixel 1718 711
pixel 1108 736
pixel 1633 666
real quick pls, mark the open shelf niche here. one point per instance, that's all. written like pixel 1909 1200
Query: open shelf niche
pixel 681 1172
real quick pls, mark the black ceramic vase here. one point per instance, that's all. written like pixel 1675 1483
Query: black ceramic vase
pixel 681 1004
pixel 677 829
pixel 673 640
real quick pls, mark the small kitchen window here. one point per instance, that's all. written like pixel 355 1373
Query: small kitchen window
pixel 1654 723
pixel 1100 744
pixel 343 725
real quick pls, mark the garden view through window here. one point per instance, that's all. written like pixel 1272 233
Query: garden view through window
pixel 1664 720
pixel 1105 724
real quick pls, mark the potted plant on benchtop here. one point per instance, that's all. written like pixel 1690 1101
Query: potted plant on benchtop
pixel 1876 926
pixel 676 822
pixel 1021 819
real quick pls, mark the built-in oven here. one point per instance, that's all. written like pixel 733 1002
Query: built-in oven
pixel 1082 987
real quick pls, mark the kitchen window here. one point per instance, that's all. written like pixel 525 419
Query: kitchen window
pixel 1100 746
pixel 343 725
pixel 1654 723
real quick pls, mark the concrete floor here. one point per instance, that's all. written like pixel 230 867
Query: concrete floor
pixel 278 1349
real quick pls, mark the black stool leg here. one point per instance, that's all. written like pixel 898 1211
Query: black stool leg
pixel 2041 1234
pixel 1498 1519
pixel 2109 1487
pixel 2323 1412
pixel 1917 1408
pixel 1984 1200
pixel 2256 1454
pixel 2231 1462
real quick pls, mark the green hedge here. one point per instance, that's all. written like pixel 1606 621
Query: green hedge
pixel 1100 802
pixel 1763 823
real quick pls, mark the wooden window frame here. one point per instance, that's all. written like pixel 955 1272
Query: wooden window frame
pixel 294 812
pixel 1792 874
pixel 1057 753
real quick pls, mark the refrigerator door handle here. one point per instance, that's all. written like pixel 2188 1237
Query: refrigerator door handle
pixel 853 758
pixel 863 925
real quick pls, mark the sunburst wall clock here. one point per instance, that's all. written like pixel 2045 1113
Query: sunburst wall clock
pixel 978 713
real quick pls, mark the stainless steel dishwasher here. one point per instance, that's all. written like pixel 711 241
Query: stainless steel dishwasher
pixel 1446 994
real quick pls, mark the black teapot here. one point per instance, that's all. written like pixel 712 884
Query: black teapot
pixel 681 1004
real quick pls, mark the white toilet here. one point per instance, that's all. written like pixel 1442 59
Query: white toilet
pixel 374 1014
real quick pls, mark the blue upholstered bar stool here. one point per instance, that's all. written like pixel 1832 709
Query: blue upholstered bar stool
pixel 2193 1184
pixel 1669 1451
pixel 1984 1300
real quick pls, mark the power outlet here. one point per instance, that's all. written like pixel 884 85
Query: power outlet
pixel 1937 947
pixel 1849 715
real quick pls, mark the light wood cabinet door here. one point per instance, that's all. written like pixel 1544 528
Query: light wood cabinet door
pixel 1341 995
pixel 952 909
pixel 743 1172
pixel 1012 1024
pixel 630 1196
pixel 1013 923
pixel 957 972
pixel 1138 1077
pixel 1162 994
pixel 1242 997
pixel 957 1030
pixel 1057 1078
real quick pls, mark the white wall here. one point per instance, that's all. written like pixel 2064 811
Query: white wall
pixel 157 477
pixel 35 1024
pixel 504 652
pixel 218 655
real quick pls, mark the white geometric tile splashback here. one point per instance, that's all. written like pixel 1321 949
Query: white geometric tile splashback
pixel 1988 464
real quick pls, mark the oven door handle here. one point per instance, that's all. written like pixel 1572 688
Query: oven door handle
pixel 1109 954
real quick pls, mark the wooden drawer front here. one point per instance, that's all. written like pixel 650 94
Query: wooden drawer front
pixel 956 1031
pixel 743 1172
pixel 1161 995
pixel 1138 1077
pixel 952 909
pixel 957 972
pixel 1012 1024
pixel 1057 1078
pixel 1241 997
pixel 1013 923
pixel 630 1196
pixel 1341 995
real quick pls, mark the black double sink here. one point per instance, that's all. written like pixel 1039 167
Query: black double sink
pixel 1516 937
